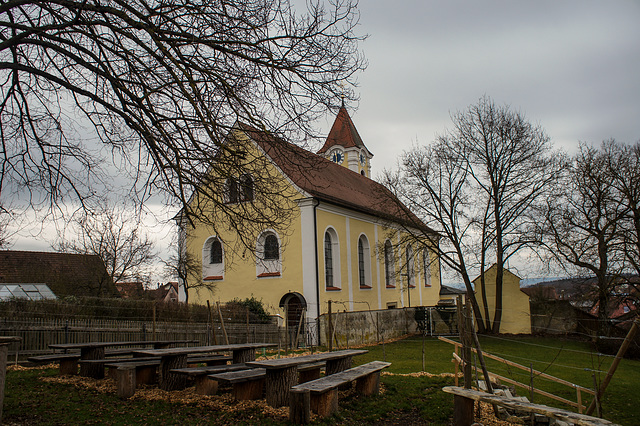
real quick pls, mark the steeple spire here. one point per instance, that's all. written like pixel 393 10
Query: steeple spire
pixel 344 143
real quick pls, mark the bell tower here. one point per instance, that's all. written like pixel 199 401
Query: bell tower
pixel 345 147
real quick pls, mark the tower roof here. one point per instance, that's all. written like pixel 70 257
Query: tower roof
pixel 343 133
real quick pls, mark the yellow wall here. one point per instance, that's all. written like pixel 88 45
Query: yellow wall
pixel 241 281
pixel 516 316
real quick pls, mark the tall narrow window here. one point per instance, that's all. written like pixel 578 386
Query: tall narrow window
pixel 232 190
pixel 328 260
pixel 427 268
pixel 246 188
pixel 389 268
pixel 410 267
pixel 271 248
pixel 215 252
pixel 364 262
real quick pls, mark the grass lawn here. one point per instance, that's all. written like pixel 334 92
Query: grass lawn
pixel 39 396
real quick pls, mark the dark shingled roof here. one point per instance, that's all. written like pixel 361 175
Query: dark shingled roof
pixel 343 132
pixel 66 274
pixel 333 183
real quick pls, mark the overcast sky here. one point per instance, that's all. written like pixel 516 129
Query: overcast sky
pixel 571 66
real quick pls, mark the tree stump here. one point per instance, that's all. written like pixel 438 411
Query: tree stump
pixel 146 375
pixel 337 365
pixel 462 411
pixel 369 384
pixel 92 370
pixel 68 367
pixel 326 403
pixel 299 406
pixel 249 390
pixel 279 382
pixel 126 381
pixel 244 355
pixel 206 386
pixel 309 375
pixel 172 381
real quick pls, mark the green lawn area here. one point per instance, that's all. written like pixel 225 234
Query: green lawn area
pixel 36 396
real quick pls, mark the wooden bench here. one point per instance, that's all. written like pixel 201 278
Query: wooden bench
pixel 204 384
pixel 68 362
pixel 247 384
pixel 321 395
pixel 464 401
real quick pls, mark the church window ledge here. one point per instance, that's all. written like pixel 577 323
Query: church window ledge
pixel 365 287
pixel 412 286
pixel 213 278
pixel 333 288
pixel 390 286
pixel 269 274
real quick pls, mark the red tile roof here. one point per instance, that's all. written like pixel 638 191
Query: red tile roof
pixel 333 183
pixel 343 132
pixel 66 274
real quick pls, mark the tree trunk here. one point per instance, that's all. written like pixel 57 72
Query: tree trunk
pixel 279 382
pixel 172 381
pixel 92 370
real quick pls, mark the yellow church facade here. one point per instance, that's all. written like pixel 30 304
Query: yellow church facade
pixel 343 242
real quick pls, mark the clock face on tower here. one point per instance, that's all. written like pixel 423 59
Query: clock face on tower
pixel 362 159
pixel 337 156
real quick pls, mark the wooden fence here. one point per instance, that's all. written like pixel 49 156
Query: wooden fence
pixel 38 333
pixel 580 390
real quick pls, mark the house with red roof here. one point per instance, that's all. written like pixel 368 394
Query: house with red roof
pixel 342 240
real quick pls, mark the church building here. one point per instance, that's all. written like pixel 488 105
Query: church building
pixel 345 241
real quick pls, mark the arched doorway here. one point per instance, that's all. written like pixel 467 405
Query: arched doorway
pixel 295 307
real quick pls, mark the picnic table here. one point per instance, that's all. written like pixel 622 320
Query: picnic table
pixel 175 358
pixel 96 350
pixel 282 373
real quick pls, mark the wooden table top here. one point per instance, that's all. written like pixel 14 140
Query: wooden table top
pixel 87 345
pixel 305 359
pixel 203 349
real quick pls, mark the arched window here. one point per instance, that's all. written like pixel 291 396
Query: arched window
pixel 232 190
pixel 212 259
pixel 331 260
pixel 389 267
pixel 246 188
pixel 364 262
pixel 271 248
pixel 268 259
pixel 426 267
pixel 328 260
pixel 410 267
pixel 215 252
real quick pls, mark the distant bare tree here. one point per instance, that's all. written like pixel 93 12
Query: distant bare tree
pixel 478 186
pixel 184 267
pixel 114 235
pixel 583 222
pixel 162 84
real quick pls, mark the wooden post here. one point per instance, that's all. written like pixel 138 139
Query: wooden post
pixel 153 329
pixel 304 311
pixel 126 381
pixel 466 350
pixel 299 406
pixel 623 348
pixel 330 328
pixel 224 330
pixel 462 411
pixel 286 328
pixel 213 329
pixel 248 333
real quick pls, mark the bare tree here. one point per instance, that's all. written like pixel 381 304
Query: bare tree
pixel 583 223
pixel 162 84
pixel 114 235
pixel 184 267
pixel 477 185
